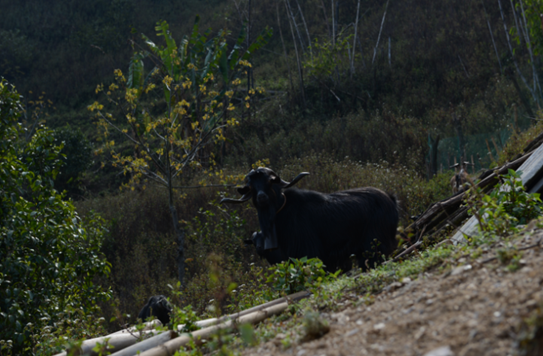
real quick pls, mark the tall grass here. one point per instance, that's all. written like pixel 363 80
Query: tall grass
pixel 142 249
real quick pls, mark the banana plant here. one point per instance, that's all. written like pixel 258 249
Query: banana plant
pixel 178 106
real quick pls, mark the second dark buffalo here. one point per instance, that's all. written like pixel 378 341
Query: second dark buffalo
pixel 157 306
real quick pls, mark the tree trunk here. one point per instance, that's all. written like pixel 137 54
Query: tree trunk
pixel 306 30
pixel 461 143
pixel 492 36
pixel 180 237
pixel 354 39
pixel 525 102
pixel 379 37
pixel 326 19
pixel 289 11
pixel 249 76
pixel 179 233
pixel 333 25
pixel 298 60
pixel 433 154
pixel 284 48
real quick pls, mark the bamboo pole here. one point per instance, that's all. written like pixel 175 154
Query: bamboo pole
pixel 114 343
pixel 149 325
pixel 289 298
pixel 170 347
pixel 147 344
pixel 125 338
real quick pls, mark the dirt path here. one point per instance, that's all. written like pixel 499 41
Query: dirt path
pixel 474 309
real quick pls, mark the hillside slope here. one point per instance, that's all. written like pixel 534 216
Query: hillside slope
pixel 477 307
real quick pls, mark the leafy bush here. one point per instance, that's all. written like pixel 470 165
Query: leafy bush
pixel 296 275
pixel 506 207
pixel 49 256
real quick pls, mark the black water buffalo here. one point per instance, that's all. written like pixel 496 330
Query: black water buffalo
pixel 332 227
pixel 157 306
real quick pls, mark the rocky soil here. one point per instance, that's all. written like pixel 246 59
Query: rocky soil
pixel 478 307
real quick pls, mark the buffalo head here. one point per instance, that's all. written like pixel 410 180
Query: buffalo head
pixel 265 187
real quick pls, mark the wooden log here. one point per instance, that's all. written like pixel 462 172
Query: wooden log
pixel 170 347
pixel 147 344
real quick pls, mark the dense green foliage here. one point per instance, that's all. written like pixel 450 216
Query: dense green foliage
pixel 49 257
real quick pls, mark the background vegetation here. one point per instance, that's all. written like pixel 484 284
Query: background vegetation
pixel 357 93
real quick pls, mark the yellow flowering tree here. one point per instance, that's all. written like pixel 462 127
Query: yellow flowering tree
pixel 174 110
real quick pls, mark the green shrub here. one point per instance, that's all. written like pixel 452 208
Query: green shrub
pixel 507 206
pixel 296 275
pixel 49 256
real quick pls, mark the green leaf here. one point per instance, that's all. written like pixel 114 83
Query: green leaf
pixel 135 72
pixel 223 63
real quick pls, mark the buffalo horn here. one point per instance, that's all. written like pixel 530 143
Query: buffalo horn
pixel 243 199
pixel 294 181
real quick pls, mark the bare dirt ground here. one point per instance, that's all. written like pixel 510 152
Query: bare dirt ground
pixel 476 308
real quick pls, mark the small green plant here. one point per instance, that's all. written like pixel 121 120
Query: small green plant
pixel 182 316
pixel 247 334
pixel 510 256
pixel 296 275
pixel 314 326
